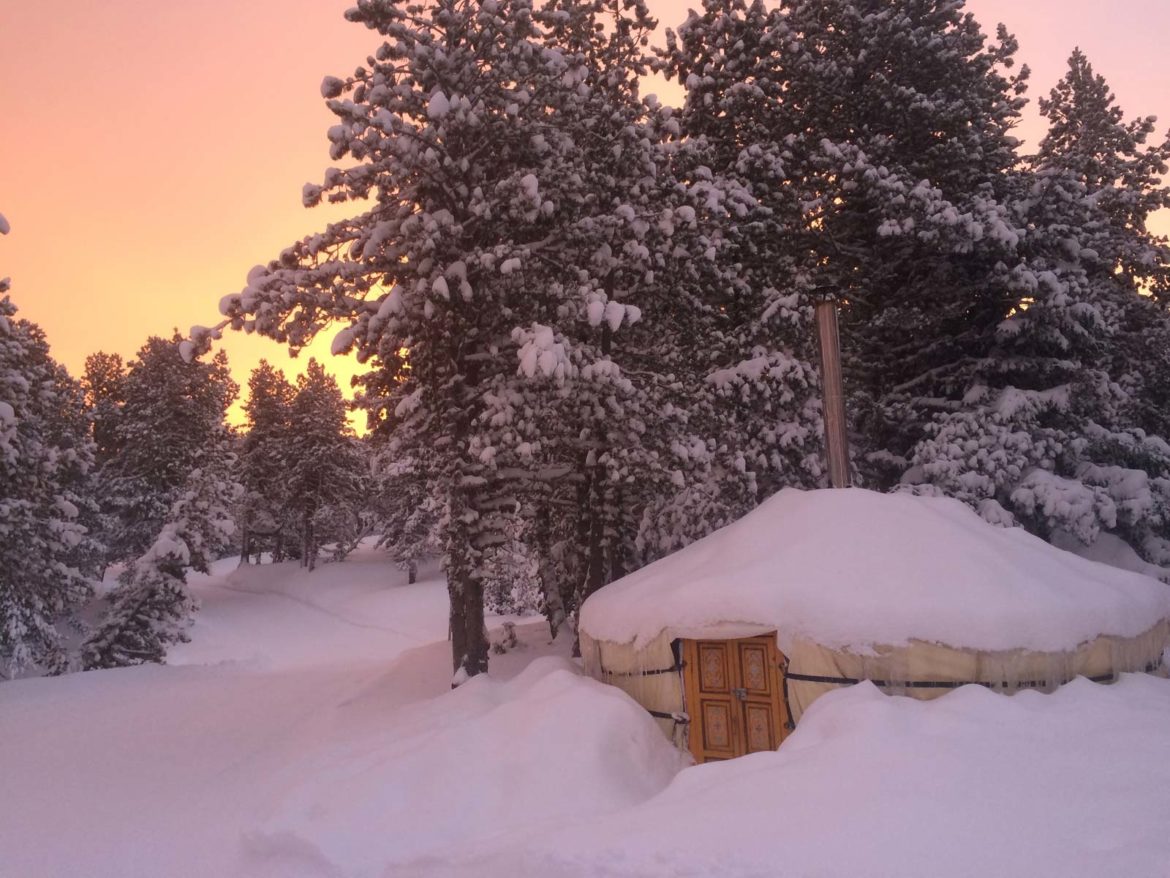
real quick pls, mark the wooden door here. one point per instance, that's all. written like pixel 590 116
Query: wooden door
pixel 735 696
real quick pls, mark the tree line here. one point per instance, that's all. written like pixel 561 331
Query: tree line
pixel 133 470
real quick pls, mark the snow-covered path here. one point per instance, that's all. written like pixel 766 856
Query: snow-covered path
pixel 130 769
pixel 280 616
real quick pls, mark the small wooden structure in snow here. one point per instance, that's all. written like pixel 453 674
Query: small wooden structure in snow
pixel 728 641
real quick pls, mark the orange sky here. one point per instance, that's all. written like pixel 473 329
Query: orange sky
pixel 154 150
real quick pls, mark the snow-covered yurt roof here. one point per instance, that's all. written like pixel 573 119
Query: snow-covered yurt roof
pixel 851 569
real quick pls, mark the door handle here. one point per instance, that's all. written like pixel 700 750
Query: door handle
pixel 741 694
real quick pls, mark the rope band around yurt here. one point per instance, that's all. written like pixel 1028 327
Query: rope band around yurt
pixel 650 673
pixel 947 684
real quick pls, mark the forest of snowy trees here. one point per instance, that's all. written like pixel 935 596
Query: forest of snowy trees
pixel 585 319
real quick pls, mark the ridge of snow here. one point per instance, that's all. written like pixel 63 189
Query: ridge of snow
pixel 1071 784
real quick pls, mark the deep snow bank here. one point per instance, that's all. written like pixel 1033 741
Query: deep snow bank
pixel 1075 784
pixel 486 760
pixel 852 568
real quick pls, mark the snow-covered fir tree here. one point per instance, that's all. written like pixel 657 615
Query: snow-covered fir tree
pixel 517 234
pixel 172 412
pixel 406 507
pixel 875 135
pixel 758 400
pixel 151 607
pixel 323 468
pixel 1059 428
pixel 47 559
pixel 104 397
pixel 264 516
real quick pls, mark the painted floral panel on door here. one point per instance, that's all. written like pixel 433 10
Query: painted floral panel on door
pixel 713 667
pixel 760 734
pixel 717 726
pixel 757 677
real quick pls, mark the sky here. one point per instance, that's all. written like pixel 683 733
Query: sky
pixel 153 151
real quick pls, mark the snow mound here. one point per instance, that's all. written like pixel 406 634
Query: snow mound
pixel 1075 784
pixel 468 768
pixel 854 569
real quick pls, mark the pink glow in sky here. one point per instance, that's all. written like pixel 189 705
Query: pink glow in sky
pixel 153 151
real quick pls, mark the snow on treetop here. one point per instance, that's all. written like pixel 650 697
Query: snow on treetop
pixel 855 569
pixel 438 106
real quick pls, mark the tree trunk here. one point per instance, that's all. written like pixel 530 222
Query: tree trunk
pixel 578 570
pixel 554 604
pixel 304 540
pixel 411 572
pixel 245 545
pixel 469 644
pixel 617 539
pixel 595 572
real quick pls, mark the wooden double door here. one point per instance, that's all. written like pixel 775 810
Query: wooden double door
pixel 735 696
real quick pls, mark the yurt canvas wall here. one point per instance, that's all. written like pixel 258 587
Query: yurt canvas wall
pixel 651 675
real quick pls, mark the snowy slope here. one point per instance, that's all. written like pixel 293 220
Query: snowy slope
pixel 281 616
pixel 854 568
pixel 157 771
pixel 310 733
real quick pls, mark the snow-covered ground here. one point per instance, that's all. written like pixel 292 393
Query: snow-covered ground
pixel 308 731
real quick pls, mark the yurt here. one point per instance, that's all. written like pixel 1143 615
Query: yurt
pixel 728 641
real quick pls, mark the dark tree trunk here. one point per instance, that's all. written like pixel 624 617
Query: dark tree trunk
pixel 617 539
pixel 245 545
pixel 411 573
pixel 554 602
pixel 304 540
pixel 469 646
pixel 595 573
pixel 592 525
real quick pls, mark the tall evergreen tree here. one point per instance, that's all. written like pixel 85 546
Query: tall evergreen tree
pixel 406 506
pixel 151 608
pixel 173 411
pixel 516 233
pixel 875 137
pixel 264 458
pixel 323 468
pixel 1054 430
pixel 104 397
pixel 1090 141
pixel 47 558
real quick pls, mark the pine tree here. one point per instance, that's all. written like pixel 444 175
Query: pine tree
pixel 47 559
pixel 151 607
pixel 173 411
pixel 523 216
pixel 104 397
pixel 406 506
pixel 1090 141
pixel 1055 428
pixel 874 136
pixel 757 401
pixel 322 468
pixel 264 456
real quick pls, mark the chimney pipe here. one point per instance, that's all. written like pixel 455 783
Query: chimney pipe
pixel 833 402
